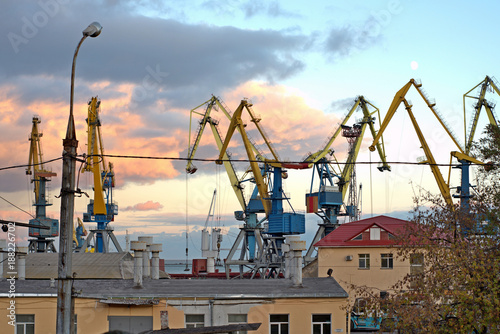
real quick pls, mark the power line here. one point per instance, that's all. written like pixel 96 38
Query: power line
pixel 17 207
pixel 139 157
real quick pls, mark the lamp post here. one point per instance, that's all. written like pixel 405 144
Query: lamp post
pixel 65 321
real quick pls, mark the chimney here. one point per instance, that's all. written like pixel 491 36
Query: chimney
pixel 127 242
pixel 155 260
pixel 138 247
pixel 21 262
pixel 293 249
pixel 145 255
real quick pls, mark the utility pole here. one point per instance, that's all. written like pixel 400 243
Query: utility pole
pixel 65 319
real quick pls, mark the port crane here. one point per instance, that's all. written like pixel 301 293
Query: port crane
pixel 488 84
pixel 101 209
pixel 328 199
pixel 268 178
pixel 249 237
pixel 41 238
pixel 460 155
pixel 250 240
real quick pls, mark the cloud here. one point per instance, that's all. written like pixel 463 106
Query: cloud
pixel 146 206
pixel 267 8
pixel 163 58
pixel 344 41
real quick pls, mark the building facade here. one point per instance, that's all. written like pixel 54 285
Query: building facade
pixel 104 305
pixel 363 253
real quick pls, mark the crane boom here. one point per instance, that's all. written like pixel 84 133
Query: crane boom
pixel 101 209
pixel 400 98
pixel 237 123
pixel 488 82
pixel 94 156
pixel 368 118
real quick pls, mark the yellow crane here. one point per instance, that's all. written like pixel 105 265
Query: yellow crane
pixel 279 223
pixel 328 199
pixel 101 209
pixel 488 84
pixel 444 187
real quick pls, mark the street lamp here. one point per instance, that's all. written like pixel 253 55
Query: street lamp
pixel 64 324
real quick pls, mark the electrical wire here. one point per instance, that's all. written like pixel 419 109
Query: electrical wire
pixel 17 207
pixel 248 160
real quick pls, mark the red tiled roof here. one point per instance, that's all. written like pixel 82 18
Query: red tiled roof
pixel 342 236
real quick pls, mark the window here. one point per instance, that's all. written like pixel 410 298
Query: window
pixel 416 269
pixel 358 237
pixel 25 324
pixel 237 319
pixel 195 320
pixel 321 324
pixel 364 261
pixel 278 323
pixel 375 233
pixel 359 306
pixel 386 261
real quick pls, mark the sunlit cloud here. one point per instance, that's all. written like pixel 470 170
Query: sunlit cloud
pixel 146 206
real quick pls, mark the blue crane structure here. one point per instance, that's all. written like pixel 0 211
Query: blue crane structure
pixel 328 199
pixel 270 261
pixel 41 241
pixel 259 240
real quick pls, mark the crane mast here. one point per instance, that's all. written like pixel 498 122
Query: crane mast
pixel 101 209
pixel 42 242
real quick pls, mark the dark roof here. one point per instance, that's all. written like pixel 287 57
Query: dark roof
pixel 325 287
pixel 342 236
pixel 85 265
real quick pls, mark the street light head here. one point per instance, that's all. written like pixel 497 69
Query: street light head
pixel 93 30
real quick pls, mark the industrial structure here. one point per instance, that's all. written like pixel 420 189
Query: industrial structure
pixel 101 209
pixel 488 84
pixel 464 159
pixel 259 243
pixel 41 240
pixel 328 199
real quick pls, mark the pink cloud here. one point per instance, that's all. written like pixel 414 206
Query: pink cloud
pixel 147 206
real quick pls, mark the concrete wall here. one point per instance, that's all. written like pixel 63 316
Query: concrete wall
pixel 348 272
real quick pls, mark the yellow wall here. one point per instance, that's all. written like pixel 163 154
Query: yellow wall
pixel 347 272
pixel 300 313
pixel 92 316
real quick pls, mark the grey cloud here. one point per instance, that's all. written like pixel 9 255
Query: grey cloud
pixel 344 41
pixel 162 56
pixel 268 8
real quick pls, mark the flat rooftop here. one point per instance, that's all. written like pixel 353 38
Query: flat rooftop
pixel 322 287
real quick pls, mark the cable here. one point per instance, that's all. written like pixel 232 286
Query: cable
pixel 248 160
pixel 17 207
pixel 28 165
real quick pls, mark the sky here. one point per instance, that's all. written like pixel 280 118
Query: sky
pixel 301 64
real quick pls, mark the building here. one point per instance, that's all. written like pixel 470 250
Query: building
pixel 362 253
pixel 118 304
